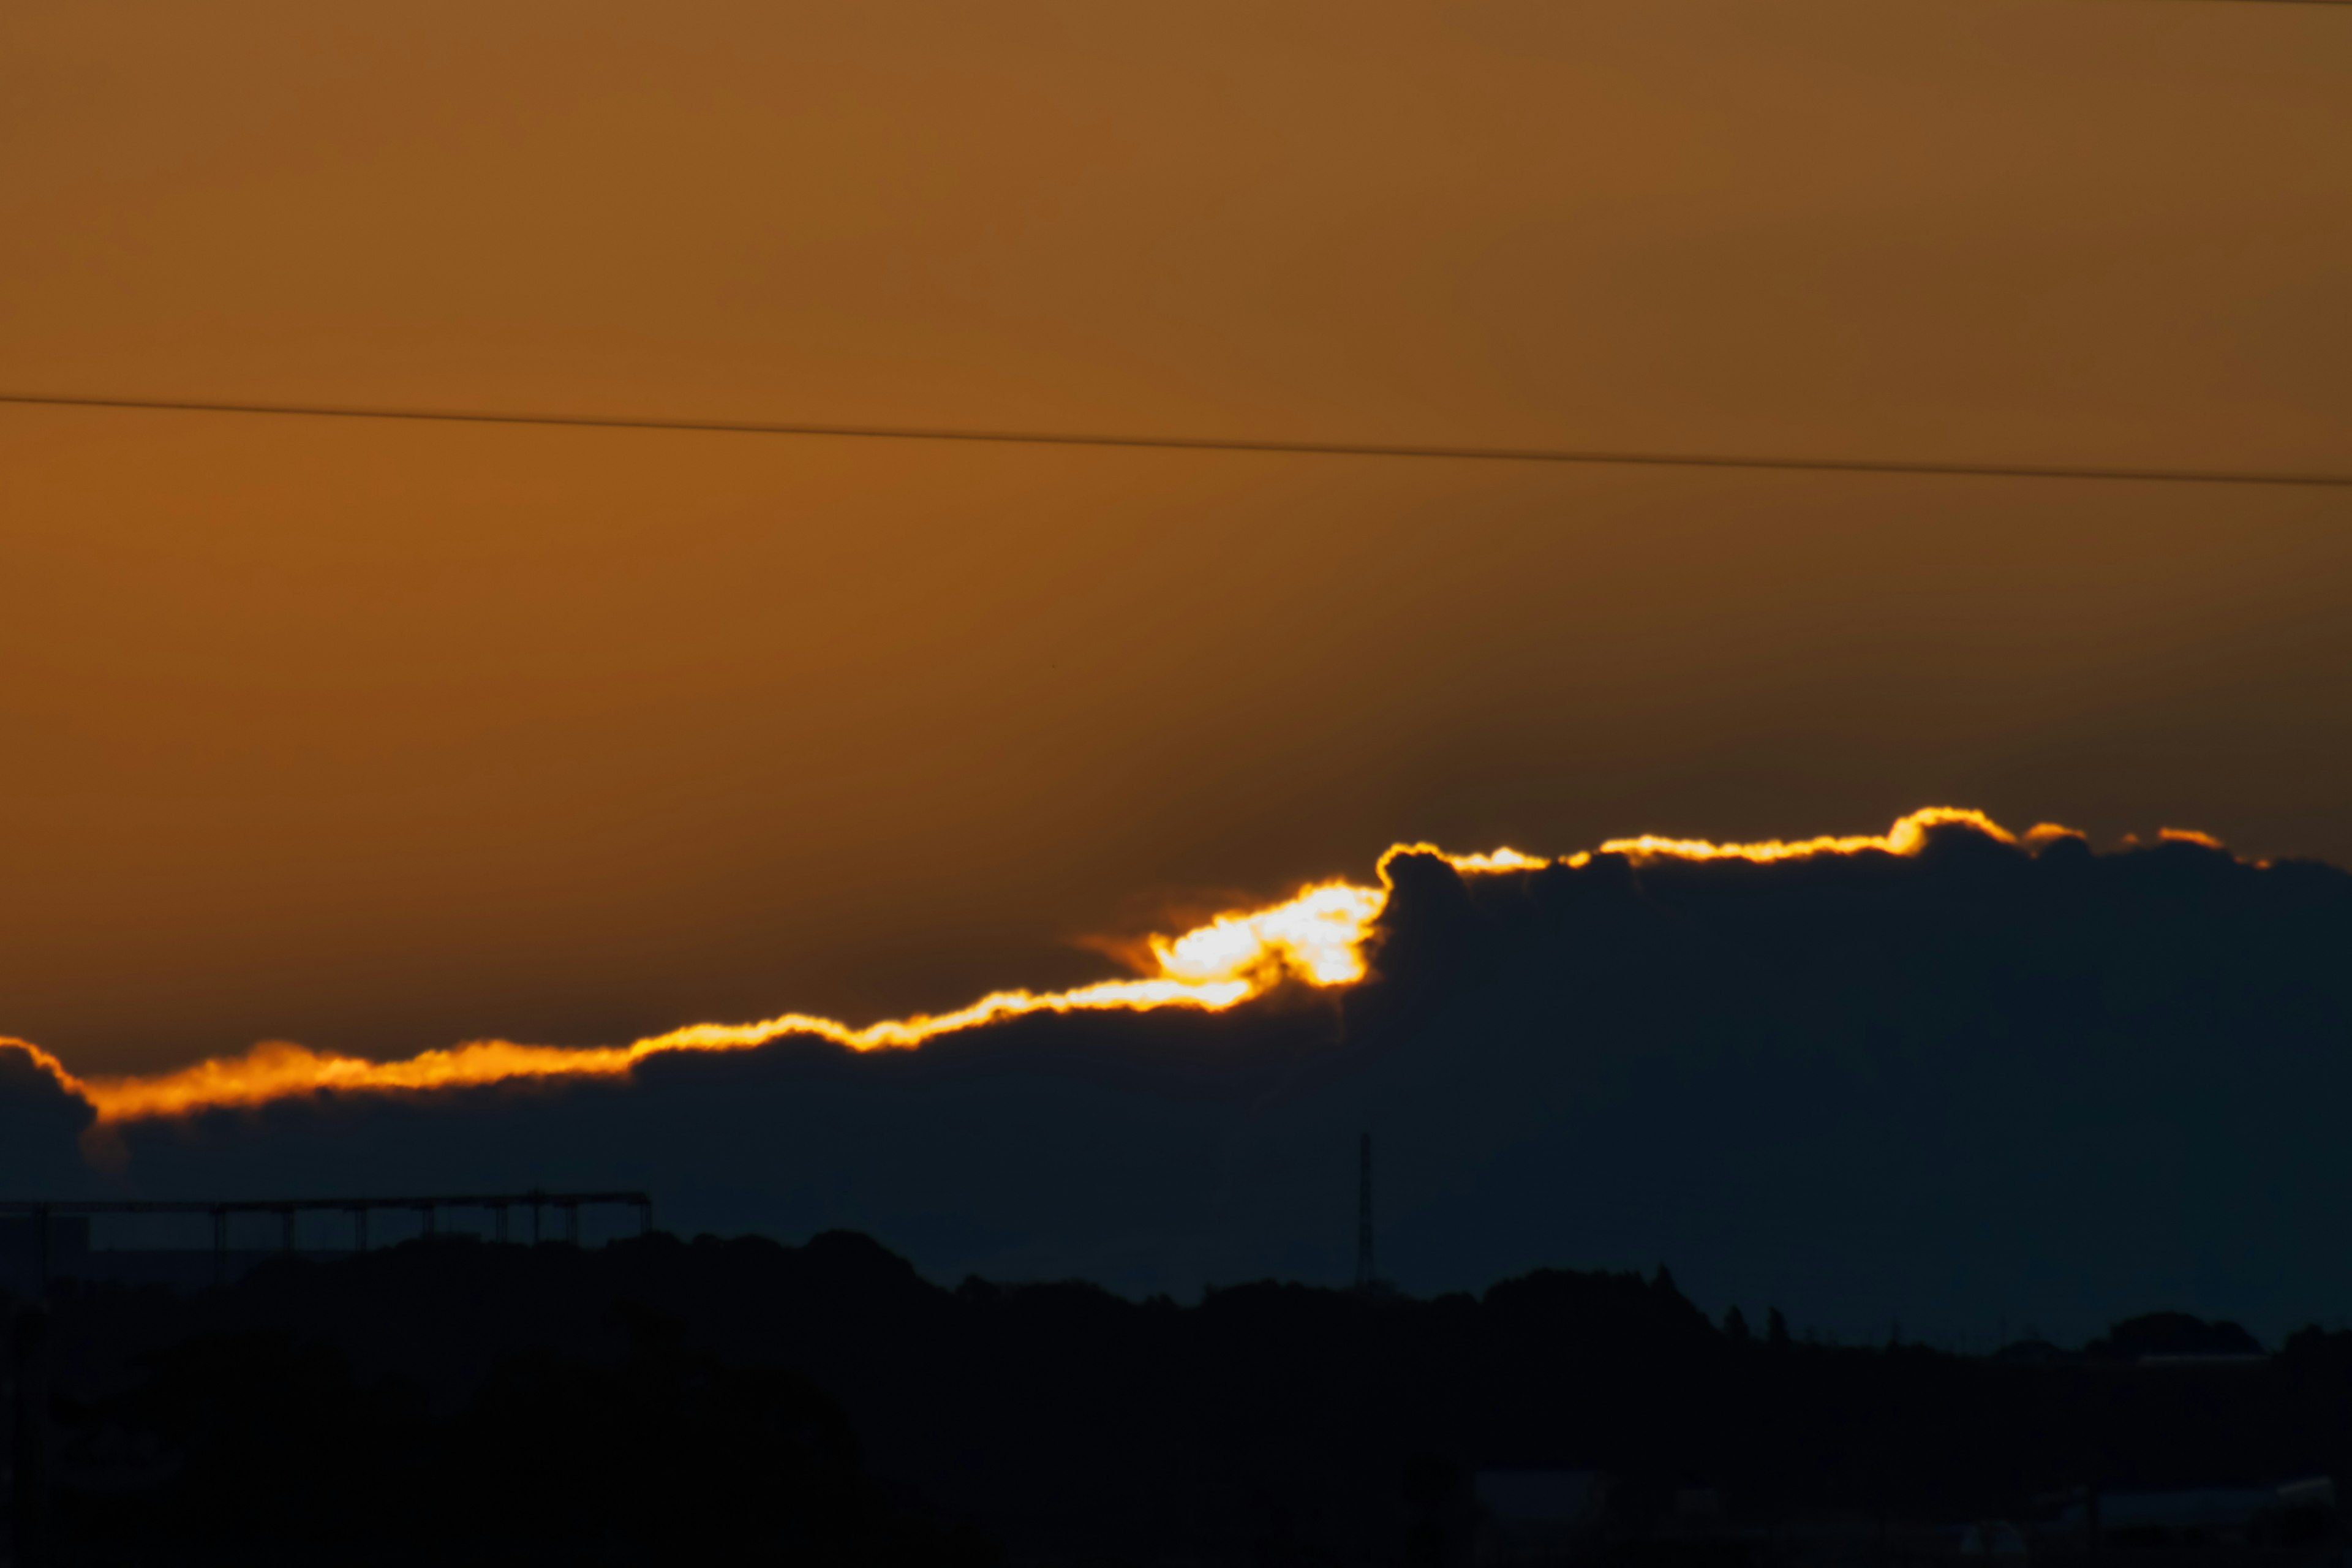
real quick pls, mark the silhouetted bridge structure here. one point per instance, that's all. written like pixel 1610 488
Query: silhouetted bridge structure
pixel 429 1210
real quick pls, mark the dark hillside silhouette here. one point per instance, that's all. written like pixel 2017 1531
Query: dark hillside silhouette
pixel 462 1401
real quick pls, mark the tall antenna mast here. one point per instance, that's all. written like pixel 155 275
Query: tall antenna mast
pixel 1366 1276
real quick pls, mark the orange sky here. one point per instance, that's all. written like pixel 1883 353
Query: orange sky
pixel 382 738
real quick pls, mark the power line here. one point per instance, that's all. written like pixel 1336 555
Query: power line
pixel 1216 444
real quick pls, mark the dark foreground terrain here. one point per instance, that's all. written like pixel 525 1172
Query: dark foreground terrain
pixel 662 1401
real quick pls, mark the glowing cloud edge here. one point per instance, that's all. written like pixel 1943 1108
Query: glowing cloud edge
pixel 1317 936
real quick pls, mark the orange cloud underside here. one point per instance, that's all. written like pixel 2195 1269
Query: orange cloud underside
pixel 1316 937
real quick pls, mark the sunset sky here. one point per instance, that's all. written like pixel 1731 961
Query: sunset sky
pixel 379 738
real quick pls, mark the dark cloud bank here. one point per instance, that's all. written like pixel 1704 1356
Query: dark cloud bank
pixel 1960 1088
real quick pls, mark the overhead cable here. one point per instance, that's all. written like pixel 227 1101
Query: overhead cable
pixel 1440 452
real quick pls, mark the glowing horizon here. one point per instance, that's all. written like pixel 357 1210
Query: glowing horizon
pixel 1317 937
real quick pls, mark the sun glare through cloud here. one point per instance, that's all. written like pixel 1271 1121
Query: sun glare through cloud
pixel 1319 937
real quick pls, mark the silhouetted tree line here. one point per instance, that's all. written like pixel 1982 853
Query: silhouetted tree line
pixel 264 1444
pixel 666 1401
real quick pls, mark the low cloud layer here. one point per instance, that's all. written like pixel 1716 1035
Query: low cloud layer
pixel 1987 1080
